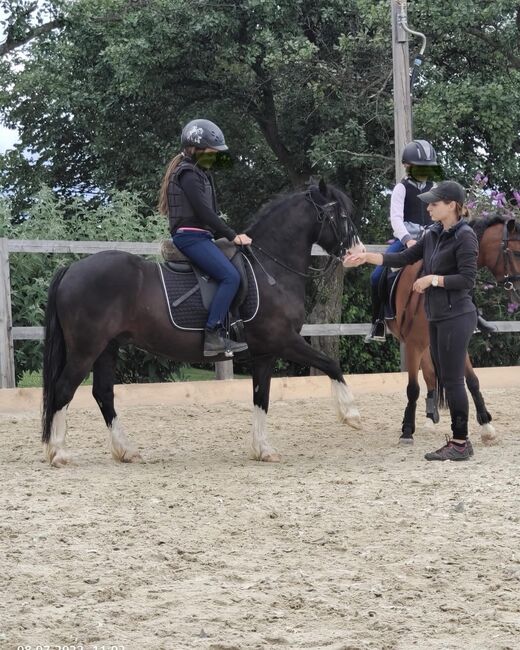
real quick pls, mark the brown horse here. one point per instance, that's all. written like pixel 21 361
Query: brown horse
pixel 499 242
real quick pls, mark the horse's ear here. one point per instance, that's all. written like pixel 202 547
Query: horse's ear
pixel 323 187
pixel 511 225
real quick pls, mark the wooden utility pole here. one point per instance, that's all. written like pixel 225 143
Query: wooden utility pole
pixel 402 100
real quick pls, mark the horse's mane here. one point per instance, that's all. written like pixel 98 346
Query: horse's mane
pixel 481 224
pixel 281 199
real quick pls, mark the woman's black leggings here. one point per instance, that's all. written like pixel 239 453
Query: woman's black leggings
pixel 449 340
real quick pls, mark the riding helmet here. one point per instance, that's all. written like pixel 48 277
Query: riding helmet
pixel 202 134
pixel 419 152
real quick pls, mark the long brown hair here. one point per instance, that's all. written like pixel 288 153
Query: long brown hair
pixel 163 192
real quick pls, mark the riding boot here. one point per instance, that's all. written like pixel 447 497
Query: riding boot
pixel 378 331
pixel 216 342
pixel 484 326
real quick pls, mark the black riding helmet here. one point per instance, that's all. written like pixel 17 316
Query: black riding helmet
pixel 203 134
pixel 419 152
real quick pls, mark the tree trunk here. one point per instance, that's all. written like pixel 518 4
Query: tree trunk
pixel 327 309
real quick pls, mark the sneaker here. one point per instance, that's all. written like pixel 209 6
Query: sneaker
pixel 377 333
pixel 450 451
pixel 470 447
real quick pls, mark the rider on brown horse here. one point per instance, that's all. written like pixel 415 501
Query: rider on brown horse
pixel 408 216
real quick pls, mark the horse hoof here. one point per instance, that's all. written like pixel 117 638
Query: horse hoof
pixel 488 435
pixel 57 457
pixel 271 457
pixel 132 457
pixel 406 440
pixel 353 419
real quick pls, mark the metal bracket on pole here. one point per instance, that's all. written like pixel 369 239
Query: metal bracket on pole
pixel 401 35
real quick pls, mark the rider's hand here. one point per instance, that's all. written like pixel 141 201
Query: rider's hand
pixel 411 242
pixel 242 240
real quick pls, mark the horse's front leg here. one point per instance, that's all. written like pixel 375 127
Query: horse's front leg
pixel 413 361
pixel 488 434
pixel 299 351
pixel 262 372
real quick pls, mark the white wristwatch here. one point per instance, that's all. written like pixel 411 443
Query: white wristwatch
pixel 435 281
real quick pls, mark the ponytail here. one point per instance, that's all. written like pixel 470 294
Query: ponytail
pixel 163 193
pixel 462 211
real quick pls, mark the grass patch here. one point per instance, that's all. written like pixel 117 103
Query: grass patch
pixel 185 373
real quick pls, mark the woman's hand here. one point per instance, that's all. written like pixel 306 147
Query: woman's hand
pixel 422 284
pixel 242 240
pixel 411 242
pixel 351 260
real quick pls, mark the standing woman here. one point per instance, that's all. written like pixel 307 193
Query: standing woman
pixel 188 197
pixel 449 250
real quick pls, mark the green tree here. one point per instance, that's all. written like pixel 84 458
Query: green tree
pixel 298 86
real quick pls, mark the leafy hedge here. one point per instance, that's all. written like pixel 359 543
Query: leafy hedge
pixel 119 219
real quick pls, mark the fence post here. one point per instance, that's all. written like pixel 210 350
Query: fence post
pixel 224 369
pixel 7 376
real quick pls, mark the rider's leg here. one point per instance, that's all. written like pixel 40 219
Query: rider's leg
pixel 378 331
pixel 201 249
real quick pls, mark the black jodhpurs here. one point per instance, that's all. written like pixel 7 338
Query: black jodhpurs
pixel 449 340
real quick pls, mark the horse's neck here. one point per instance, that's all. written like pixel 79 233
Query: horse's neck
pixel 289 243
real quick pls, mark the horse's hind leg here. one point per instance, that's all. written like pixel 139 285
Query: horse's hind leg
pixel 488 434
pixel 73 374
pixel 103 391
pixel 262 371
pixel 432 406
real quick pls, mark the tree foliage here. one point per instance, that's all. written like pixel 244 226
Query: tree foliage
pixel 100 94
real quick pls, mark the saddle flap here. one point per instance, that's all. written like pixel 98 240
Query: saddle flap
pixel 387 290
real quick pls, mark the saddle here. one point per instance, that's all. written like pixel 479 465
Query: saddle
pixel 387 289
pixel 189 291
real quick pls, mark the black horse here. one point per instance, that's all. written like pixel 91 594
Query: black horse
pixel 112 298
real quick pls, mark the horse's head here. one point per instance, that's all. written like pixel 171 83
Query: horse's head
pixel 335 230
pixel 499 251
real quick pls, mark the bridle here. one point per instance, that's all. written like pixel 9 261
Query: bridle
pixel 507 256
pixel 333 215
pixel 327 214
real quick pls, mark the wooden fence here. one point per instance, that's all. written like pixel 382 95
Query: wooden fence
pixel 224 369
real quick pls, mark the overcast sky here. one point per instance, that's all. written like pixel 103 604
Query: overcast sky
pixel 7 137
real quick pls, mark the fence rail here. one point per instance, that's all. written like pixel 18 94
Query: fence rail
pixel 224 369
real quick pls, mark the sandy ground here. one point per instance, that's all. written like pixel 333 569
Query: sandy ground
pixel 351 542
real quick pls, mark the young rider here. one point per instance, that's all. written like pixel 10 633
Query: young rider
pixel 188 198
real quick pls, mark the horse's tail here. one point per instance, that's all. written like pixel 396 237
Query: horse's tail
pixel 54 354
pixel 440 392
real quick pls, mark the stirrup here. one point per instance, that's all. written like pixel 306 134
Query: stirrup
pixel 377 333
